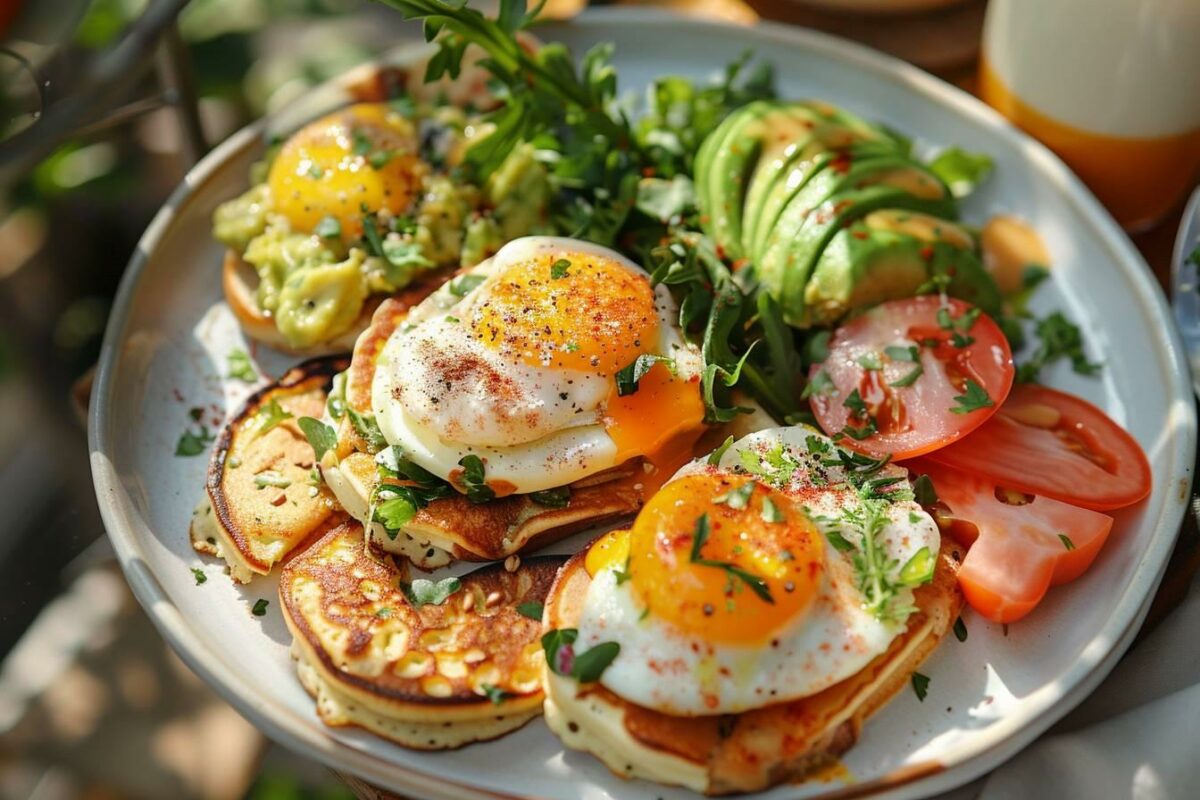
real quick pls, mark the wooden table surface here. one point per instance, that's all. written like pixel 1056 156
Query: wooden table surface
pixel 946 43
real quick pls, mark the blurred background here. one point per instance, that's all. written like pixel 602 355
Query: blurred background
pixel 92 703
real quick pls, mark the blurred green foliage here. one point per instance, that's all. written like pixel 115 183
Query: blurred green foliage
pixel 281 786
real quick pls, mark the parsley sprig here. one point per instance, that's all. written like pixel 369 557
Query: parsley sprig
pixel 754 582
pixel 1058 338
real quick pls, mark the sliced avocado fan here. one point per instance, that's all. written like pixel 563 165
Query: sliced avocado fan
pixel 832 199
pixel 831 212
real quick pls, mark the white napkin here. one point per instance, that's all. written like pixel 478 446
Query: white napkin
pixel 1137 736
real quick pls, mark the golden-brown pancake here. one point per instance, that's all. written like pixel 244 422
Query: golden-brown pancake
pixel 432 677
pixel 263 496
pixel 753 750
pixel 455 528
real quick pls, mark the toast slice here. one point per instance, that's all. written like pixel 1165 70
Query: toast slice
pixel 745 752
pixel 240 284
pixel 431 677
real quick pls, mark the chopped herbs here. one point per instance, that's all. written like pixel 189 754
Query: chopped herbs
pixel 329 228
pixel 473 481
pixel 361 144
pixel 366 427
pixel 622 574
pixel 383 613
pixel 393 505
pixel 422 592
pixel 380 158
pixel 585 667
pixel 240 367
pixel 737 498
pixel 558 497
pixel 271 478
pixel 260 608
pixel 771 512
pixel 973 398
pixel 775 466
pixel 630 376
pixel 908 379
pixel 1058 338
pixel 755 583
pixel 960 170
pixel 495 693
pixel 898 353
pixel 270 415
pixel 870 361
pixel 821 384
pixel 559 269
pixel 393 510
pixel 194 442
pixel 199 576
pixel 1066 540
pixel 920 685
pixel 336 402
pixel 859 413
pixel 531 610
pixel 321 437
pixel 463 286
pixel 839 542
pixel 924 492
pixel 960 630
pixel 590 664
pixel 714 458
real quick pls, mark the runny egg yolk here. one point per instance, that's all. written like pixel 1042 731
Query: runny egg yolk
pixel 588 312
pixel 754 534
pixel 362 157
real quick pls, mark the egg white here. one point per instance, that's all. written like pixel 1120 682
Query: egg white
pixel 663 668
pixel 545 429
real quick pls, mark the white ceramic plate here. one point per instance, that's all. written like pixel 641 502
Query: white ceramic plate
pixel 169 335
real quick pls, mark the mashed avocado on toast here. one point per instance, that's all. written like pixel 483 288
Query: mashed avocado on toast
pixel 362 202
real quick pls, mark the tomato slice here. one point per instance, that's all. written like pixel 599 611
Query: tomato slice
pixel 1019 545
pixel 1053 444
pixel 910 376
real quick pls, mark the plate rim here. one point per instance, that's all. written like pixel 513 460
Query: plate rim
pixel 1006 736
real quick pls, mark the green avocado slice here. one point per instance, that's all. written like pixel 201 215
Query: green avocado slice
pixel 810 162
pixel 778 178
pixel 833 198
pixel 712 200
pixel 730 158
pixel 889 254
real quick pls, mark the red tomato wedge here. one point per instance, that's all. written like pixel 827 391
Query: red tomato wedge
pixel 1053 444
pixel 1018 545
pixel 910 376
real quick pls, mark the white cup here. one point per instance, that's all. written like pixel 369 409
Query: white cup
pixel 1112 86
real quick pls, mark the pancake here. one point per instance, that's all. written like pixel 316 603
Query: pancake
pixel 262 500
pixel 454 528
pixel 431 678
pixel 753 750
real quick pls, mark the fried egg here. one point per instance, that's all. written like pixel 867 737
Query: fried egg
pixel 364 158
pixel 517 363
pixel 741 584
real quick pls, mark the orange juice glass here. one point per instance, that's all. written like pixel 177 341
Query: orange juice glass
pixel 1112 86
